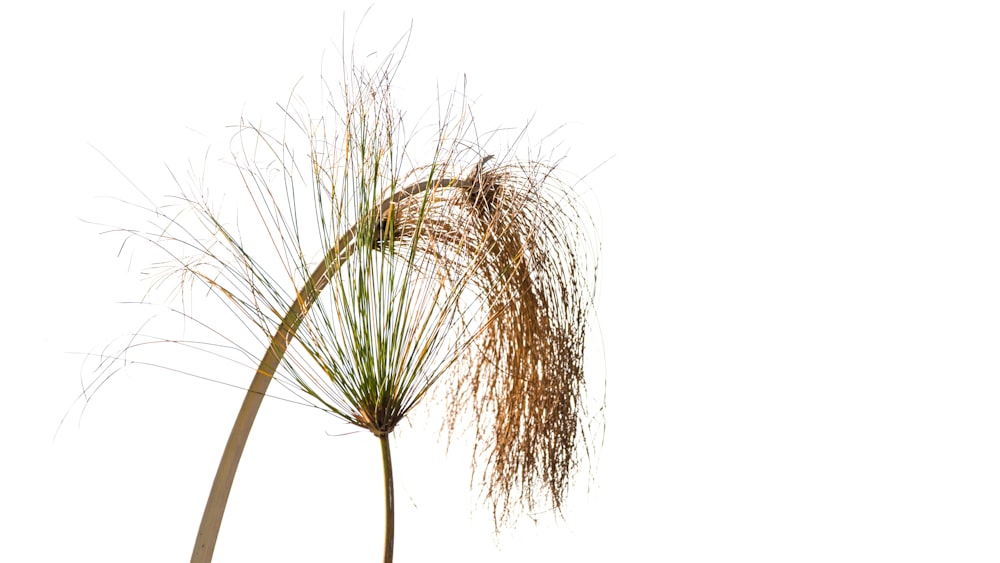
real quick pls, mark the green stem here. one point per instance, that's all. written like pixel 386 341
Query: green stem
pixel 390 508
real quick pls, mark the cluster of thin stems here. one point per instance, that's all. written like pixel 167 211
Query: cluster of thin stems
pixel 371 280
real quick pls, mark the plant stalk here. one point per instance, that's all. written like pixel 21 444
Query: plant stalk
pixel 390 508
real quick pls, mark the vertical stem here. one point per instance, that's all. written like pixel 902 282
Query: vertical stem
pixel 390 509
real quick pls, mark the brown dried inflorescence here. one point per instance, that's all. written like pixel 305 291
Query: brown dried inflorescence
pixel 519 242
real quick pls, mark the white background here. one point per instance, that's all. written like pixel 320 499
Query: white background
pixel 799 311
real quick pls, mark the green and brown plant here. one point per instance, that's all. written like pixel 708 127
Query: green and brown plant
pixel 373 281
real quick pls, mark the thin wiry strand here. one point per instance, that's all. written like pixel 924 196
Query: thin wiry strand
pixel 201 253
pixel 208 352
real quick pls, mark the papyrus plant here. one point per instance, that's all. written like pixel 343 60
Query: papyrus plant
pixel 374 279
